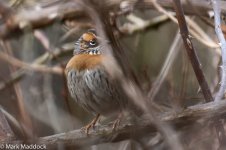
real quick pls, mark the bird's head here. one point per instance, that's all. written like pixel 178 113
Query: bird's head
pixel 88 43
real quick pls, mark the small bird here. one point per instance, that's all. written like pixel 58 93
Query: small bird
pixel 89 83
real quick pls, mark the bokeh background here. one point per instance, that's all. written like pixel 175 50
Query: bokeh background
pixel 38 100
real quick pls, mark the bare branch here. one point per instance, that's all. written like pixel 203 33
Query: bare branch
pixel 34 67
pixel 16 76
pixel 102 134
pixel 191 52
pixel 40 16
pixel 220 35
pixel 174 49
pixel 195 30
pixel 140 25
pixel 195 62
pixel 43 16
pixel 6 132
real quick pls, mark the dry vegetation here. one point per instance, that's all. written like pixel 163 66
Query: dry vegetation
pixel 172 55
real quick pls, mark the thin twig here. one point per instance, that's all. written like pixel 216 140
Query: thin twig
pixel 24 119
pixel 12 120
pixel 40 16
pixel 16 76
pixel 32 67
pixel 43 39
pixel 131 28
pixel 195 31
pixel 174 49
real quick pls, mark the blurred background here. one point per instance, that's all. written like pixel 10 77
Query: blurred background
pixel 37 40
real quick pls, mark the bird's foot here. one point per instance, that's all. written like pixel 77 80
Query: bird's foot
pixel 91 124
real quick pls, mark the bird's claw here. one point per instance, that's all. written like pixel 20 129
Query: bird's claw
pixel 91 124
pixel 116 123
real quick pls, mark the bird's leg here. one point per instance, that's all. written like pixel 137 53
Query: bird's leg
pixel 117 122
pixel 91 124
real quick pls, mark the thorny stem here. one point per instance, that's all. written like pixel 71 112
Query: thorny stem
pixel 219 127
pixel 196 64
pixel 191 52
pixel 220 37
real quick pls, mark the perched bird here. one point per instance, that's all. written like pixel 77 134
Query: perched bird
pixel 89 83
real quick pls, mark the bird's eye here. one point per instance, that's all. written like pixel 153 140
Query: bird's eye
pixel 92 43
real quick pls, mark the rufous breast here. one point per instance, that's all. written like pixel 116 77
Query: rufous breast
pixel 84 61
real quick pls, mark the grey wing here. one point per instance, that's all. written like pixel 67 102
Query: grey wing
pixel 104 90
pixel 78 90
